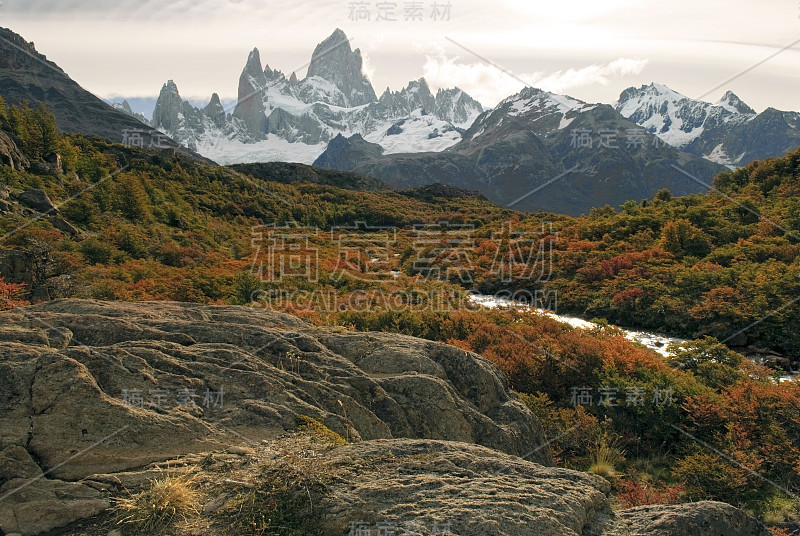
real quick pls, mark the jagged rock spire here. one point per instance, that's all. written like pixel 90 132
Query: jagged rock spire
pixel 333 60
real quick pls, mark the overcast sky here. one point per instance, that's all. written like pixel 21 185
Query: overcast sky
pixel 590 49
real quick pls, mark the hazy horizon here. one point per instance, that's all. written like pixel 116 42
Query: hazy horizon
pixel 591 52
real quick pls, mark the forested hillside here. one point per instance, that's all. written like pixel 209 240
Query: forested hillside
pixel 82 217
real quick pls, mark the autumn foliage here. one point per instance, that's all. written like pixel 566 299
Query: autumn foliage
pixel 702 267
pixel 10 295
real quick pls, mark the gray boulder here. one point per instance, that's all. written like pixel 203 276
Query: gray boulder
pixel 94 393
pixel 706 518
pixel 413 486
pixel 38 200
pixel 93 387
pixel 63 225
pixel 31 504
pixel 10 155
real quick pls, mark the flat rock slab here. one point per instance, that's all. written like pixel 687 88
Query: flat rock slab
pixel 97 387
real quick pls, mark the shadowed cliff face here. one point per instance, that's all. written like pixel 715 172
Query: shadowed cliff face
pixel 333 60
pixel 27 75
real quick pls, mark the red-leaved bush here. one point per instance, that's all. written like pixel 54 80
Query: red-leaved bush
pixel 9 295
pixel 640 493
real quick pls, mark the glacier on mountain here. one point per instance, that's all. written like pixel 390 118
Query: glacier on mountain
pixel 727 132
pixel 292 120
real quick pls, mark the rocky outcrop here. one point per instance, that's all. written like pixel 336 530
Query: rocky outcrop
pixel 11 155
pixel 16 266
pixel 403 486
pixel 63 225
pixel 346 154
pixel 478 492
pixel 38 200
pixel 95 387
pixel 425 485
pixel 31 504
pixel 706 518
pixel 93 393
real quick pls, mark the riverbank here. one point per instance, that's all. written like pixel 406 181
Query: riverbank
pixel 657 342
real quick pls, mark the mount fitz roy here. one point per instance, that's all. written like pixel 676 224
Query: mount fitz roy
pixel 280 118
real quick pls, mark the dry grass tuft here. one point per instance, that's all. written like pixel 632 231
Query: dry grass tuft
pixel 160 505
pixel 606 455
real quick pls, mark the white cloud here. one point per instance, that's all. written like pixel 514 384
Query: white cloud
pixel 366 66
pixel 489 84
pixel 483 82
pixel 143 43
pixel 601 74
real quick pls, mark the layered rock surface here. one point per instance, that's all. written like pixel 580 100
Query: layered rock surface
pixel 207 376
pixel 95 392
pixel 402 487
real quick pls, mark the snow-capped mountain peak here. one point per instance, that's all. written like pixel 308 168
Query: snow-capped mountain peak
pixel 293 119
pixel 542 111
pixel 728 132
pixel 335 62
pixel 734 104
pixel 675 118
pixel 253 68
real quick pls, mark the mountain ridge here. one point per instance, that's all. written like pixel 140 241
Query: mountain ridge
pixel 530 141
pixel 27 75
pixel 728 132
pixel 276 118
